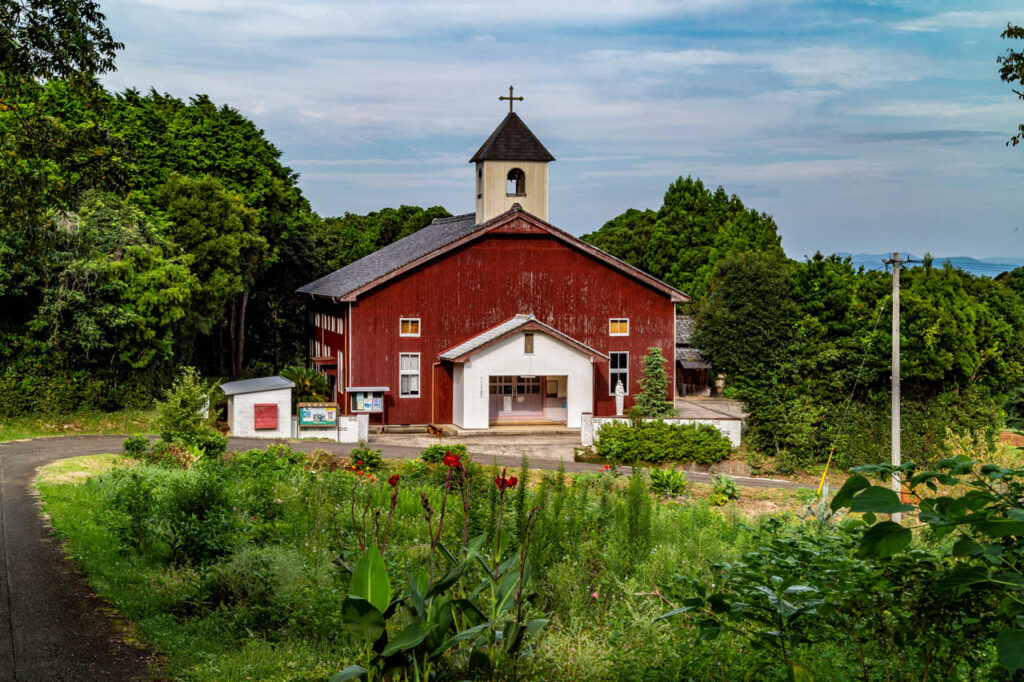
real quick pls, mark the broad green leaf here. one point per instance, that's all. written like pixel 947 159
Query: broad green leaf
pixel 966 547
pixel 884 540
pixel 1010 649
pixel 853 485
pixel 352 672
pixel 535 625
pixel 408 638
pixel 465 634
pixel 444 583
pixel 961 576
pixel 879 500
pixel 362 618
pixel 370 579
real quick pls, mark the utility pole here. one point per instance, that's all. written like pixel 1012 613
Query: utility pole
pixel 897 484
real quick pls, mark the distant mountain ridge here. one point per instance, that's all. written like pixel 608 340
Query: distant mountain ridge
pixel 988 267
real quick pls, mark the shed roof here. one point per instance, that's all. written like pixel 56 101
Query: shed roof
pixel 256 385
pixel 461 352
pixel 512 141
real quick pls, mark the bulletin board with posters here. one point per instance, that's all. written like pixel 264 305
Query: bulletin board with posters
pixel 318 414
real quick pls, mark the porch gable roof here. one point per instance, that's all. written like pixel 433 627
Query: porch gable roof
pixel 519 323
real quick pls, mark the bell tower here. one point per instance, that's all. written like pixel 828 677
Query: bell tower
pixel 511 168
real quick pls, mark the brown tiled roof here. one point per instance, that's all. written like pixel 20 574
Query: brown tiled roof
pixel 512 141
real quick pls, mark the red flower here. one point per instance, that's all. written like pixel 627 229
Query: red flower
pixel 451 460
pixel 504 483
pixel 393 481
pixel 359 473
pixel 512 480
pixel 606 467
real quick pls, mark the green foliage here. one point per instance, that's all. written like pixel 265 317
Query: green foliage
pixel 310 385
pixel 982 511
pixel 185 410
pixel 136 447
pixel 365 458
pixel 652 400
pixel 668 482
pixel 658 441
pixel 1014 408
pixel 350 237
pixel 695 228
pixel 723 489
pixel 1011 70
pixel 796 340
pixel 434 454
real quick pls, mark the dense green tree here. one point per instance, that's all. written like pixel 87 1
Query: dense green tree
pixel 691 232
pixel 349 237
pixel 221 234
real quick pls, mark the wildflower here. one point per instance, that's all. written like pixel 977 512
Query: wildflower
pixel 393 481
pixel 451 460
pixel 359 473
pixel 606 467
pixel 593 595
pixel 512 481
pixel 277 500
pixel 504 483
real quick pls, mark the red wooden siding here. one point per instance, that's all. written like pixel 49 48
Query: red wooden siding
pixel 264 416
pixel 483 283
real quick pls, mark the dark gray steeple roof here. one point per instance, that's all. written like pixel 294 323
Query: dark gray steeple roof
pixel 512 141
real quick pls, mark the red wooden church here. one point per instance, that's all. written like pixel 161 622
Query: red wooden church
pixel 490 317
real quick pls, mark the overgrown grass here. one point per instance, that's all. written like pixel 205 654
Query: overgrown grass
pixel 86 423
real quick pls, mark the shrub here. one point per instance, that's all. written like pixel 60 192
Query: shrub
pixel 658 441
pixel 434 454
pixel 668 482
pixel 195 517
pixel 365 458
pixel 652 400
pixel 723 489
pixel 136 447
pixel 130 499
pixel 186 406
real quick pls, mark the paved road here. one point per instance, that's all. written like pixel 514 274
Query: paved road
pixel 51 626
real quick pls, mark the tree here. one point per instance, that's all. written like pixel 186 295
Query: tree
pixel 693 230
pixel 652 400
pixel 1011 70
pixel 221 234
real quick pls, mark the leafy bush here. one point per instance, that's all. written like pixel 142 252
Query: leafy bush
pixel 136 447
pixel 184 411
pixel 723 489
pixel 434 454
pixel 310 386
pixel 130 502
pixel 658 441
pixel 668 482
pixel 195 518
pixel 1014 408
pixel 365 458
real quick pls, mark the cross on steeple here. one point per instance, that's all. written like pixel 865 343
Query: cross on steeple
pixel 510 99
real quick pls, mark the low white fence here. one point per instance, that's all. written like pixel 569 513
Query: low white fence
pixel 730 428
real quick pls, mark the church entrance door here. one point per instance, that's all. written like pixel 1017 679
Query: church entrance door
pixel 516 398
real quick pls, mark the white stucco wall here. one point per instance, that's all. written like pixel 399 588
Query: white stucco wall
pixel 471 404
pixel 240 413
pixel 493 198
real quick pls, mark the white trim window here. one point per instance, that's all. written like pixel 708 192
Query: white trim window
pixel 618 369
pixel 618 326
pixel 409 326
pixel 409 375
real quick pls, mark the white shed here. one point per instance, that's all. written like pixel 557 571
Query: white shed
pixel 260 408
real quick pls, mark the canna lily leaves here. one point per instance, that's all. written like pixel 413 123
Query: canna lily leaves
pixel 408 638
pixel 370 580
pixel 362 618
pixel 879 500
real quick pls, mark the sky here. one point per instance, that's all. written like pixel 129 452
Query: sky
pixel 861 127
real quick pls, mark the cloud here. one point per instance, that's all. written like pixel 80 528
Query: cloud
pixel 945 21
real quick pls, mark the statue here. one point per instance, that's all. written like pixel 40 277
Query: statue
pixel 620 397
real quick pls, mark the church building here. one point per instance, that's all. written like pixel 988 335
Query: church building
pixel 491 317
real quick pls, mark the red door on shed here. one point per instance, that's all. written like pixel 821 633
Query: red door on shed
pixel 265 416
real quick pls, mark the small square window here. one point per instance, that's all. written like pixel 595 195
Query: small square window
pixel 528 343
pixel 409 326
pixel 618 327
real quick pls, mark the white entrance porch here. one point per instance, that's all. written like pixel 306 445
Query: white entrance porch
pixel 521 371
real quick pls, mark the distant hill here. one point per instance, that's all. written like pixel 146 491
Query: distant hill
pixel 989 267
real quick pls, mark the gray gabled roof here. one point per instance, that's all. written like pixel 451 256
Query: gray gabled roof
pixel 512 141
pixel 393 256
pixel 685 325
pixel 506 327
pixel 256 385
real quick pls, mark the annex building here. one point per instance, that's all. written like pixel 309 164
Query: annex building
pixel 490 317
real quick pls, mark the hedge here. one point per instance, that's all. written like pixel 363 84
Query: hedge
pixel 658 441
